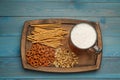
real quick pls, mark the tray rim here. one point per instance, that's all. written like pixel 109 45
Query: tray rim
pixel 81 69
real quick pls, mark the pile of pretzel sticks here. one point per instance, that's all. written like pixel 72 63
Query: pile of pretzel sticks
pixel 50 35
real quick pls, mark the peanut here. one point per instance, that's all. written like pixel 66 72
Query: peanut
pixel 65 58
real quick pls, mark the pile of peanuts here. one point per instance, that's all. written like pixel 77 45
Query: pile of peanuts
pixel 64 58
pixel 40 55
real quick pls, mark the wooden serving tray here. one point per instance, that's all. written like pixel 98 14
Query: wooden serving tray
pixel 87 61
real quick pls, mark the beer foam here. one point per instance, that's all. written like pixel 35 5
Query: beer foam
pixel 83 36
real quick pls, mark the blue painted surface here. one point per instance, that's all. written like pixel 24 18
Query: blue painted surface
pixel 11 67
pixel 13 14
pixel 54 8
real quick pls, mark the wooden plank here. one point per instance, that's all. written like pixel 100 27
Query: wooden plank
pixel 59 5
pixel 12 26
pixel 110 29
pixel 12 68
pixel 10 46
pixel 112 1
pixel 58 79
pixel 23 8
pixel 111 46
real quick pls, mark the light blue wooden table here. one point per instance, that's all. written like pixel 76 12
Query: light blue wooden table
pixel 13 13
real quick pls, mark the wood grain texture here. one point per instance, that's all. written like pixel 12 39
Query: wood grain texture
pixel 93 1
pixel 12 49
pixel 107 12
pixel 35 8
pixel 57 79
pixel 10 46
pixel 12 26
pixel 14 69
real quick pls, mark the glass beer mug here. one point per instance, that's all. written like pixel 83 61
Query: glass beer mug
pixel 83 36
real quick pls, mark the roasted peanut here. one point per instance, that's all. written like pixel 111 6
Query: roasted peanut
pixel 65 58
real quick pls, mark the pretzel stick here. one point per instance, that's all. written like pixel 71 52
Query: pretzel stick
pixel 46 25
pixel 51 37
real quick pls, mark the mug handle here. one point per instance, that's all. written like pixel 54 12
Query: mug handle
pixel 96 49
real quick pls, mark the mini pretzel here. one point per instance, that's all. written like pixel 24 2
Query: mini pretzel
pixel 40 55
pixel 34 63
